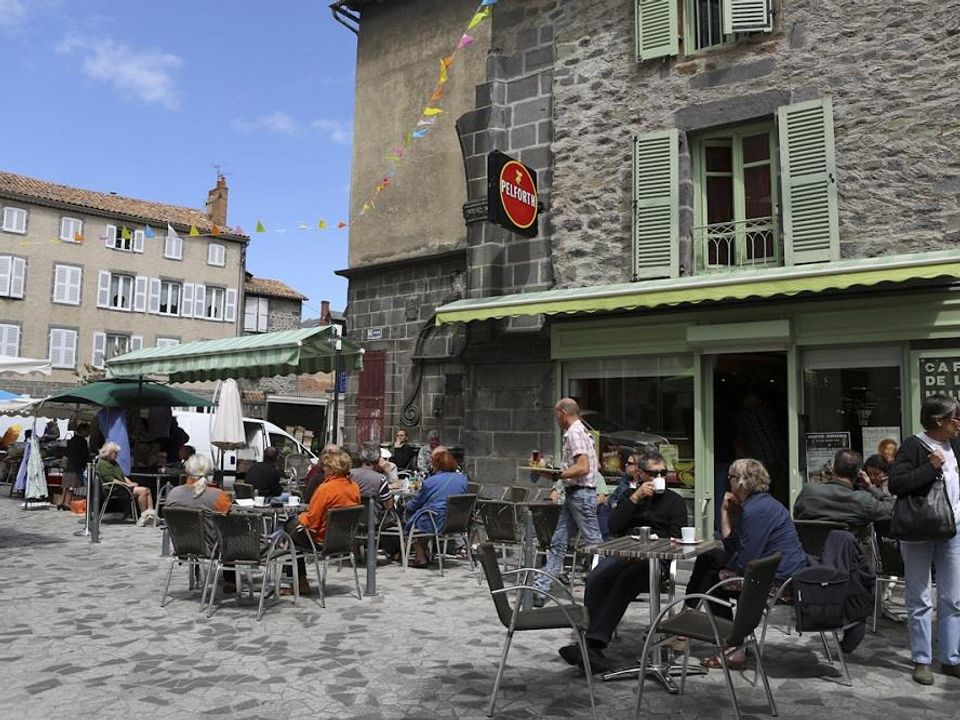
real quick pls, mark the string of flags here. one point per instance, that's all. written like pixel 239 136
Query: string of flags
pixel 431 110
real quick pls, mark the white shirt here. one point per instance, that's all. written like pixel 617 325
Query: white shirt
pixel 951 473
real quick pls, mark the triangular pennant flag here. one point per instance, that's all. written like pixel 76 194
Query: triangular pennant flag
pixel 78 237
pixel 465 42
pixel 125 233
pixel 238 231
pixel 214 230
pixel 421 133
pixel 408 138
pixel 193 231
pixel 423 122
pixel 303 226
pixel 148 232
pixel 431 111
pixel 437 94
pixel 341 225
pixel 447 61
pixel 443 72
pixel 170 231
pixel 322 225
pixel 478 18
pixel 260 227
pixel 488 3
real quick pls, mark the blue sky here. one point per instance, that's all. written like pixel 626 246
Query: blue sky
pixel 142 97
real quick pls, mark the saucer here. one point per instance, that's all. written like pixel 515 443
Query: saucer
pixel 689 542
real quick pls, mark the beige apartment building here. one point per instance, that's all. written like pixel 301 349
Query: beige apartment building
pixel 86 276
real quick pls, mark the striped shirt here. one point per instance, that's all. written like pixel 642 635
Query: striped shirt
pixel 577 441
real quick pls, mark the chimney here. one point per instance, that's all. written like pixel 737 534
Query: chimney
pixel 217 203
pixel 325 318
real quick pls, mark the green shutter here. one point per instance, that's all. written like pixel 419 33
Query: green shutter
pixel 656 227
pixel 657 31
pixel 747 16
pixel 811 231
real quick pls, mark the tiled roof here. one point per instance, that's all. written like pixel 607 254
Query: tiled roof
pixel 271 288
pixel 43 192
pixel 335 315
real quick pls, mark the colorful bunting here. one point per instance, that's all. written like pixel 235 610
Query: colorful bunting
pixel 194 232
pixel 341 225
pixel 322 225
pixel 214 230
pixel 78 237
pixel 465 42
pixel 148 232
pixel 479 17
pixel 238 230
pixel 421 133
pixel 431 111
pixel 302 226
pixel 260 227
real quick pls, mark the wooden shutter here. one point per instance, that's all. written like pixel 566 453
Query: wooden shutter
pixel 199 300
pixel 153 304
pixel 657 204
pixel 658 34
pixel 103 289
pixel 263 314
pixel 56 347
pixel 10 340
pixel 230 306
pixel 18 277
pixel 110 236
pixel 250 314
pixel 140 294
pixel 6 265
pixel 74 283
pixel 186 305
pixel 60 281
pixel 138 241
pixel 811 229
pixel 99 348
pixel 746 16
pixel 136 342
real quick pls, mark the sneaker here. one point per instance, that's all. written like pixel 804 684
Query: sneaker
pixel 953 670
pixel 571 654
pixel 852 637
pixel 539 600
pixel 922 673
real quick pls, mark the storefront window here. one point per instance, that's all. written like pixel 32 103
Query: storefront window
pixel 638 402
pixel 851 399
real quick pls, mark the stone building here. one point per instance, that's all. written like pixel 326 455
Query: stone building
pixel 87 275
pixel 750 209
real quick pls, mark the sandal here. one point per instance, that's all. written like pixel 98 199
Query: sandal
pixel 714 663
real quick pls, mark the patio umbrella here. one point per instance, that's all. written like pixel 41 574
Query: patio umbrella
pixel 129 393
pixel 227 432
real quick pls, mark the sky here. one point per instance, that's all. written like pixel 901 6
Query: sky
pixel 143 98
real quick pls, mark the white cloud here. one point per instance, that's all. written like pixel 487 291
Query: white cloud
pixel 147 74
pixel 282 123
pixel 337 131
pixel 12 13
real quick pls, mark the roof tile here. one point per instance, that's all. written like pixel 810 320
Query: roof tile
pixel 271 288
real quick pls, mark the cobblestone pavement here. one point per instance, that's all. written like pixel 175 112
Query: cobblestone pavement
pixel 82 636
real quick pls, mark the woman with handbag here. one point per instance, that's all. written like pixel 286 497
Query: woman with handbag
pixel 926 481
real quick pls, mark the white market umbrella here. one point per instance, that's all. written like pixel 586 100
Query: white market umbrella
pixel 227 431
pixel 23 366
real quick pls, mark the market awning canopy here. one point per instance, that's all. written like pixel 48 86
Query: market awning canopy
pixel 301 351
pixel 23 366
pixel 127 393
pixel 760 284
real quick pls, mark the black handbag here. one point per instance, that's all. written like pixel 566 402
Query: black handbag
pixel 924 517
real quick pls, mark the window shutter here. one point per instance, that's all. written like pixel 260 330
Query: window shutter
pixel 60 280
pixel 811 228
pixel 657 204
pixel 56 348
pixel 230 306
pixel 746 16
pixel 6 264
pixel 199 300
pixel 140 294
pixel 173 247
pixel 263 314
pixel 136 342
pixel 153 306
pixel 110 236
pixel 103 289
pixel 186 306
pixel 138 241
pixel 18 276
pixel 10 340
pixel 250 314
pixel 99 348
pixel 74 283
pixel 658 34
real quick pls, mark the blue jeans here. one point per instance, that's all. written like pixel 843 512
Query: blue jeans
pixel 917 558
pixel 579 512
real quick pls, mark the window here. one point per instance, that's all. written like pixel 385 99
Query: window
pixel 706 23
pixel 13 275
pixel 763 194
pixel 111 345
pixel 163 342
pixel 214 305
pixel 115 291
pixel 124 238
pixel 63 348
pixel 10 340
pixel 169 298
pixel 66 284
pixel 255 314
pixel 217 255
pixel 15 220
pixel 173 246
pixel 71 229
pixel 735 208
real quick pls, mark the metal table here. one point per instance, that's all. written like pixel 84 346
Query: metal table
pixel 633 549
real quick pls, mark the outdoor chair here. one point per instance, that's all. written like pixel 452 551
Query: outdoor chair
pixel 241 545
pixel 545 519
pixel 499 519
pixel 701 624
pixel 473 488
pixel 191 546
pixel 337 545
pixel 456 525
pixel 121 495
pixel 890 572
pixel 813 534
pixel 243 491
pixel 556 615
pixel 515 494
pixel 388 522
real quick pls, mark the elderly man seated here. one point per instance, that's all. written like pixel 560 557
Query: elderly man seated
pixel 848 497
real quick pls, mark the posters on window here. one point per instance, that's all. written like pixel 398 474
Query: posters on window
pixel 873 436
pixel 821 447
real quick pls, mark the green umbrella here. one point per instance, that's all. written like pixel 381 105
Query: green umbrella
pixel 129 393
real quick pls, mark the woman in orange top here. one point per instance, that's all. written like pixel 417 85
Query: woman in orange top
pixel 337 490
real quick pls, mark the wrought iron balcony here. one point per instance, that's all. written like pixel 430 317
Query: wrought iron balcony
pixel 734 245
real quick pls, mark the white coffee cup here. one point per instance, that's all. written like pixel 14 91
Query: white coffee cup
pixel 259 500
pixel 688 534
pixel 293 500
pixel 659 484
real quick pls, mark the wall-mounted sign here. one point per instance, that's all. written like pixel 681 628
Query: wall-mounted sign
pixel 374 333
pixel 940 376
pixel 512 199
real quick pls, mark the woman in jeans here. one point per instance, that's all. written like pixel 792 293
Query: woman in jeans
pixel 922 459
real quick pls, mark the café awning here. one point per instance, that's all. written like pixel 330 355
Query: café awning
pixel 760 284
pixel 287 352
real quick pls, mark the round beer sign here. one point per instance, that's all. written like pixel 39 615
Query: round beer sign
pixel 518 193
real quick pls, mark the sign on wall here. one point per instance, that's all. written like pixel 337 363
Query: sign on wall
pixel 940 376
pixel 512 199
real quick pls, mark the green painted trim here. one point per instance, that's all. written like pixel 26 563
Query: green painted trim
pixel 703 443
pixel 794 410
pixel 722 334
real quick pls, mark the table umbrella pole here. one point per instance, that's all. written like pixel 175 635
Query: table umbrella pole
pixel 93 503
pixel 371 548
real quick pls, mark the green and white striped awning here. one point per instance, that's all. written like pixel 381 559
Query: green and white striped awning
pixel 760 284
pixel 287 352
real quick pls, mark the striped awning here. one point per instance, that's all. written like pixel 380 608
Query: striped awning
pixel 759 284
pixel 287 352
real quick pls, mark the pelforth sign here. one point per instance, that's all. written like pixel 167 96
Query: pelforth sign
pixel 512 200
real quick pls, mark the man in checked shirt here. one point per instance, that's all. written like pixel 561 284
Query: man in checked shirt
pixel 579 476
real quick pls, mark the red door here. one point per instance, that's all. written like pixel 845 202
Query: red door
pixel 370 397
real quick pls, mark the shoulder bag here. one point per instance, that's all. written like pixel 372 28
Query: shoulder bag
pixel 924 517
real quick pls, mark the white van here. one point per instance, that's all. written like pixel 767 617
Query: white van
pixel 260 435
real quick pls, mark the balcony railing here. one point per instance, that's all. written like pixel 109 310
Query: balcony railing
pixel 732 245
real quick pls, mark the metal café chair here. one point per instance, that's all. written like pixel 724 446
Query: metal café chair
pixel 337 545
pixel 456 524
pixel 119 492
pixel 243 491
pixel 191 547
pixel 515 494
pixel 499 519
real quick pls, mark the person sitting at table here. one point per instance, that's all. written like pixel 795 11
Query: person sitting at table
pixel 848 497
pixel 337 490
pixel 764 527
pixel 109 471
pixel 615 582
pixel 423 457
pixel 197 492
pixel 402 453
pixel 315 475
pixel 372 483
pixel 264 476
pixel 444 481
pixel 878 470
pixel 388 468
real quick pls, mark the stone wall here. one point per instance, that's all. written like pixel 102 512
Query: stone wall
pixel 282 314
